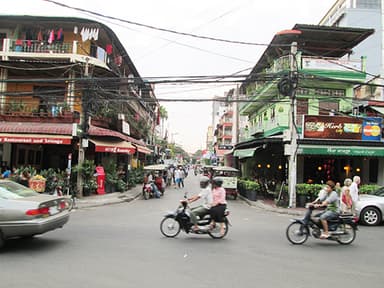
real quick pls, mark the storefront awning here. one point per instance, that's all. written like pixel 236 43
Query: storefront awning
pixel 378 109
pixel 36 128
pixel 245 153
pixel 122 147
pixel 35 139
pixel 341 150
pixel 143 149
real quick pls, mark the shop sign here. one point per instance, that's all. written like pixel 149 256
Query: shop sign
pixel 346 128
pixel 342 151
pixel 35 140
pixel 111 149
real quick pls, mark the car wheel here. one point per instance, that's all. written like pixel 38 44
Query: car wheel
pixel 370 216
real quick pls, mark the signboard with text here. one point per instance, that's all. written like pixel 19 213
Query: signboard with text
pixel 342 128
pixel 35 140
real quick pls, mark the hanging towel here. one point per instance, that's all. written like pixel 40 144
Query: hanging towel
pixel 51 37
pixel 109 49
pixel 40 36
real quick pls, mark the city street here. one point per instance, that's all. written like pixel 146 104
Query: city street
pixel 121 246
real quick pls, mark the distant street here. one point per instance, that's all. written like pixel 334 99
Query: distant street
pixel 121 246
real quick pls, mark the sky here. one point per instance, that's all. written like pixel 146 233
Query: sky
pixel 160 54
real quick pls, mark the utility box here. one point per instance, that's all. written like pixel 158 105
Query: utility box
pixel 100 180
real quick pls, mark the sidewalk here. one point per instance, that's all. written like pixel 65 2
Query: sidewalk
pixel 135 192
pixel 109 198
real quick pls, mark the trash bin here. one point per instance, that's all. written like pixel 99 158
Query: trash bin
pixel 100 180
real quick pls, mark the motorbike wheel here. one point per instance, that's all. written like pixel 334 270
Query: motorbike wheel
pixel 297 233
pixel 215 232
pixel 349 234
pixel 146 194
pixel 169 227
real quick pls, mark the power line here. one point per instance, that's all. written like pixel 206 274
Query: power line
pixel 160 29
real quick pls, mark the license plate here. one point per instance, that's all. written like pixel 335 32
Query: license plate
pixel 53 210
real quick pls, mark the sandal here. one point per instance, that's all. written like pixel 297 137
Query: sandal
pixel 324 236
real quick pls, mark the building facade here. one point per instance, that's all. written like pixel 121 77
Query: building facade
pixel 68 84
pixel 300 109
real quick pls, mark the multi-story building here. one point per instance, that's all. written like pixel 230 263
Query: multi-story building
pixel 63 80
pixel 301 109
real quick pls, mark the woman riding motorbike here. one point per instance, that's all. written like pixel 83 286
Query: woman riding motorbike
pixel 219 204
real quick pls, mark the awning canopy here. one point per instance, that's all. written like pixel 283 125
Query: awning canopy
pixel 122 147
pixel 245 153
pixel 341 150
pixel 35 139
pixel 143 149
pixel 378 109
pixel 36 128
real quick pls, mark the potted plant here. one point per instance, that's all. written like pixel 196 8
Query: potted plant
pixel 111 176
pixel 303 194
pixel 252 188
pixel 87 172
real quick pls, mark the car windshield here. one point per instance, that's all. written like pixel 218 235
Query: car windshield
pixel 379 192
pixel 12 190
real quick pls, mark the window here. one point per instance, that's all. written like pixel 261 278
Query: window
pixel 368 4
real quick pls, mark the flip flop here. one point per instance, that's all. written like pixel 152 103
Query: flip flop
pixel 324 236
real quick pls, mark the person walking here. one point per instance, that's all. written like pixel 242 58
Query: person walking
pixel 354 191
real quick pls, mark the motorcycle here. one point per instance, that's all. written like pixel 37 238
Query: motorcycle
pixel 148 191
pixel 174 222
pixel 343 229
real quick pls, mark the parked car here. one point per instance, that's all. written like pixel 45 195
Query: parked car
pixel 370 208
pixel 25 213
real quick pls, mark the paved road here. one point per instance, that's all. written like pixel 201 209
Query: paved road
pixel 121 246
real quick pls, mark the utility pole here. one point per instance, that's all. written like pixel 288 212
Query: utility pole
pixel 83 140
pixel 292 148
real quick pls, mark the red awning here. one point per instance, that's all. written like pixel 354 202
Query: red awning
pixel 35 139
pixel 36 133
pixel 36 128
pixel 143 149
pixel 98 131
pixel 122 147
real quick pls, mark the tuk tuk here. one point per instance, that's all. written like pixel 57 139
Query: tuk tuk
pixel 229 176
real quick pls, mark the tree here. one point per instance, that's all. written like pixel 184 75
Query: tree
pixel 163 117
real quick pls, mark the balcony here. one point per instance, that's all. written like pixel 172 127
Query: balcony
pixel 42 117
pixel 16 49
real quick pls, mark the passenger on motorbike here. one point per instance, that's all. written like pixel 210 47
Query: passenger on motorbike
pixel 332 206
pixel 203 209
pixel 219 204
pixel 151 181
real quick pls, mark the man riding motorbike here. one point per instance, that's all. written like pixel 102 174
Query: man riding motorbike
pixel 331 204
pixel 203 209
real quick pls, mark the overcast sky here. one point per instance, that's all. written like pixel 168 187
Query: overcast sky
pixel 156 53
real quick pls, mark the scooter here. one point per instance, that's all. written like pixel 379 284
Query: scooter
pixel 342 229
pixel 148 191
pixel 174 222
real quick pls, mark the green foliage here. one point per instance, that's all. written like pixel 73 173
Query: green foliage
pixel 248 185
pixel 308 189
pixel 368 188
pixel 110 170
pixel 87 171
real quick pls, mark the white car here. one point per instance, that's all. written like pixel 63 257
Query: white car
pixel 24 212
pixel 370 208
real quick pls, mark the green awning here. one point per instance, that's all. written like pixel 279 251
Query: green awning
pixel 341 150
pixel 245 153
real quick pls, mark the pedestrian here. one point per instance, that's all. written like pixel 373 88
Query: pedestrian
pixel 354 190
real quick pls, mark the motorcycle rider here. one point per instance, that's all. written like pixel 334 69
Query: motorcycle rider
pixel 203 209
pixel 332 206
pixel 219 204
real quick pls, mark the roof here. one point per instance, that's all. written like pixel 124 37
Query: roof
pixel 36 128
pixel 313 40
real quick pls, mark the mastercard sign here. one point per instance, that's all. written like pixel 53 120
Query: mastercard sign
pixel 372 128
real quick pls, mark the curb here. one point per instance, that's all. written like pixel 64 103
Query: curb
pixel 124 197
pixel 261 205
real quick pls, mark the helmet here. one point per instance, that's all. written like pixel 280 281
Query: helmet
pixel 217 181
pixel 204 181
